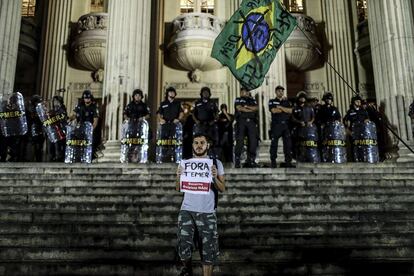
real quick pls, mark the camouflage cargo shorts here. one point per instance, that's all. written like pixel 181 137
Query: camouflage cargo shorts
pixel 206 224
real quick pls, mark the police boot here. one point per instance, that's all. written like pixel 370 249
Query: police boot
pixel 273 163
pixel 237 163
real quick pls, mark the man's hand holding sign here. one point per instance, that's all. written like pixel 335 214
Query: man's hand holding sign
pixel 196 176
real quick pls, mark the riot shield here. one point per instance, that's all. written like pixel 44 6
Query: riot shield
pixel 169 145
pixel 79 143
pixel 134 141
pixel 54 122
pixel 364 142
pixel 308 144
pixel 334 143
pixel 13 120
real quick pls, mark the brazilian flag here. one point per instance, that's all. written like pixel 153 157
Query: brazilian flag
pixel 251 38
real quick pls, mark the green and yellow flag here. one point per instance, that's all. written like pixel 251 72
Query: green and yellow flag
pixel 251 38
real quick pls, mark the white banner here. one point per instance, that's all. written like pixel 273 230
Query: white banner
pixel 196 175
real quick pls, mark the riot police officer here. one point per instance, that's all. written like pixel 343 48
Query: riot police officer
pixel 57 150
pixel 281 110
pixel 36 128
pixel 303 116
pixel 169 113
pixel 225 127
pixel 246 125
pixel 328 112
pixel 356 114
pixel 205 114
pixel 87 109
pixel 137 109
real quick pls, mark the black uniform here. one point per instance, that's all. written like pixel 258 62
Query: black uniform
pixel 356 116
pixel 136 110
pixel 86 113
pixel 246 126
pixel 36 133
pixel 280 128
pixel 328 114
pixel 205 111
pixel 225 129
pixel 169 111
pixel 57 150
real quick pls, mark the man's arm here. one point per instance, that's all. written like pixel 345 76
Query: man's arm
pixel 219 181
pixel 177 180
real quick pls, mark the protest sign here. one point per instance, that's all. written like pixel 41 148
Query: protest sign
pixel 196 175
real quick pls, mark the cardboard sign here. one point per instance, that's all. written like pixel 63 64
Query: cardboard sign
pixel 196 175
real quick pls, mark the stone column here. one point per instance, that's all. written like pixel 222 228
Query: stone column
pixel 10 19
pixel 338 20
pixel 54 48
pixel 127 64
pixel 391 27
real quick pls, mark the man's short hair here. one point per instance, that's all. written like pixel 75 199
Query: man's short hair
pixel 279 87
pixel 198 135
pixel 169 89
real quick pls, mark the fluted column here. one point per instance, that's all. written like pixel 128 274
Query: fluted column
pixel 337 16
pixel 391 28
pixel 10 18
pixel 127 60
pixel 56 34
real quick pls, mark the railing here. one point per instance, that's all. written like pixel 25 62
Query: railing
pixel 93 21
pixel 197 21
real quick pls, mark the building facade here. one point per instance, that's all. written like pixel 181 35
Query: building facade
pixel 62 47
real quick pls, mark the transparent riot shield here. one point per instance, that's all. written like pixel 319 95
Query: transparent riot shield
pixel 334 143
pixel 364 142
pixel 79 143
pixel 54 122
pixel 169 145
pixel 13 120
pixel 308 144
pixel 134 141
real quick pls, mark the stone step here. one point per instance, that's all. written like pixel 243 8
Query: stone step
pixel 251 190
pixel 170 216
pixel 225 199
pixel 245 268
pixel 262 254
pixel 257 228
pixel 227 240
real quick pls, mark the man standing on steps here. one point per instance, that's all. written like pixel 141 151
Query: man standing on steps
pixel 198 213
pixel 281 110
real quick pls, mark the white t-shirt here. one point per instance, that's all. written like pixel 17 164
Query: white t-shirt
pixel 201 203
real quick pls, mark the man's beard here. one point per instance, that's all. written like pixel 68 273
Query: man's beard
pixel 200 154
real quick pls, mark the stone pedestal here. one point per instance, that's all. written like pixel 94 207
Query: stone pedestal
pixel 392 42
pixel 127 64
pixel 55 36
pixel 10 20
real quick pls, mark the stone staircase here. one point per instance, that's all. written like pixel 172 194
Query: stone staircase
pixel 113 219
